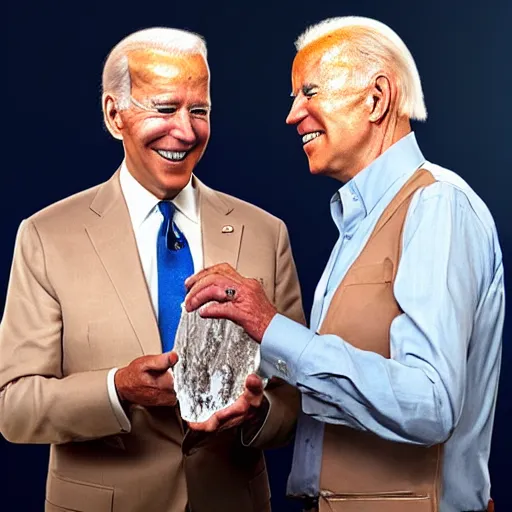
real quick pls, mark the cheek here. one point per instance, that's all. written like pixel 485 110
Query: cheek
pixel 202 130
pixel 151 129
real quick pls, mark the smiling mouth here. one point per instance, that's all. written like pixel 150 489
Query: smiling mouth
pixel 308 137
pixel 172 156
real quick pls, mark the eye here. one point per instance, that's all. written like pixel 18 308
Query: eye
pixel 199 111
pixel 165 109
pixel 309 91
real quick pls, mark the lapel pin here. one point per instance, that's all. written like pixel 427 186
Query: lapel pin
pixel 228 229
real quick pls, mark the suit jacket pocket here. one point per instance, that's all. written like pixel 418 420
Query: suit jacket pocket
pixel 387 502
pixel 79 496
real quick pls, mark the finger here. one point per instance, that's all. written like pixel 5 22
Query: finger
pixel 173 358
pixel 193 279
pixel 224 419
pixel 160 362
pixel 235 422
pixel 220 268
pixel 220 280
pixel 254 384
pixel 220 310
pixel 210 425
pixel 237 409
pixel 206 293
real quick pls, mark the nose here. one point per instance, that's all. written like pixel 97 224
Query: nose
pixel 297 111
pixel 182 128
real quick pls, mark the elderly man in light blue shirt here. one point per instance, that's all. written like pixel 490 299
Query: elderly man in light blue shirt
pixel 356 88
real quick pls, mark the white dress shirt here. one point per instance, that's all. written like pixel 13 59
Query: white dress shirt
pixel 146 221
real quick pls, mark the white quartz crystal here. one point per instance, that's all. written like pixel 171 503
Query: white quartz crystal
pixel 215 358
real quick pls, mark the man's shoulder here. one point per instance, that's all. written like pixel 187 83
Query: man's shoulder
pixel 448 178
pixel 451 188
pixel 68 210
pixel 448 181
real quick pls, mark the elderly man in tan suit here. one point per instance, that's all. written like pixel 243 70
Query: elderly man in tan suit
pixel 81 362
pixel 399 369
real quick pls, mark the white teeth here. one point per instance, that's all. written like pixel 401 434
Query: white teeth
pixel 310 136
pixel 175 156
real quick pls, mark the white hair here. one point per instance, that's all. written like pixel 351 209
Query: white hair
pixel 116 74
pixel 375 44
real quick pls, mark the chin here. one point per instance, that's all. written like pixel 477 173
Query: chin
pixel 169 185
pixel 316 169
pixel 177 180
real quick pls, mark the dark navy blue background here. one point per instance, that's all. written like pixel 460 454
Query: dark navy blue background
pixel 55 145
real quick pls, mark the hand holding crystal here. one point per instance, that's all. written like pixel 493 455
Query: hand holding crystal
pixel 221 292
pixel 245 409
pixel 146 380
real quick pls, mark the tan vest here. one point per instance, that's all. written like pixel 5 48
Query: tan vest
pixel 361 471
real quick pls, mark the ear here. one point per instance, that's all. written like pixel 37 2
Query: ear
pixel 381 92
pixel 112 116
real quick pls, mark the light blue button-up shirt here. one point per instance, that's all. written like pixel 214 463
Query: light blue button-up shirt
pixel 440 383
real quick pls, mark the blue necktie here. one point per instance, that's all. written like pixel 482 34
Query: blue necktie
pixel 175 264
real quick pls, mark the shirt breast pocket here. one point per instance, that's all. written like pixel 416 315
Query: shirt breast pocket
pixel 362 309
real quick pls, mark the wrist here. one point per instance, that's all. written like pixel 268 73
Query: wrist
pixel 263 326
pixel 118 385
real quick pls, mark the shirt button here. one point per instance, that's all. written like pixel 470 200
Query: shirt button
pixel 282 367
pixel 355 198
pixel 348 236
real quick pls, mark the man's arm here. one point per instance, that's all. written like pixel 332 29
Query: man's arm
pixel 446 272
pixel 268 420
pixel 283 399
pixel 38 404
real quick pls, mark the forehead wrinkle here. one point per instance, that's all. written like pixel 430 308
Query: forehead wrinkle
pixel 327 42
pixel 329 70
pixel 159 68
pixel 332 50
pixel 332 59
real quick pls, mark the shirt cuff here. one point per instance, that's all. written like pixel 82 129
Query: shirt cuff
pixel 119 413
pixel 282 346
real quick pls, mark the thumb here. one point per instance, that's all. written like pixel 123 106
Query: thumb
pixel 161 362
pixel 254 384
pixel 173 358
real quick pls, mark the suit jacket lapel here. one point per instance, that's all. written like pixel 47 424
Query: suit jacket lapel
pixel 112 236
pixel 221 231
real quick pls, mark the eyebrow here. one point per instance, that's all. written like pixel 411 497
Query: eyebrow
pixel 162 100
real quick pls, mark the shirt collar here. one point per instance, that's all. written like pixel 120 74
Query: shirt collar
pixel 141 202
pixel 371 184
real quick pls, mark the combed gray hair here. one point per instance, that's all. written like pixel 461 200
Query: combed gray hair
pixel 376 45
pixel 116 75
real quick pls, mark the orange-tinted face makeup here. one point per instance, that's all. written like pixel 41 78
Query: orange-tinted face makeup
pixel 330 110
pixel 167 127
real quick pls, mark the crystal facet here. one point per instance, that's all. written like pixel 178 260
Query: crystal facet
pixel 215 358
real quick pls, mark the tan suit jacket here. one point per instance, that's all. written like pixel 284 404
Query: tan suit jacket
pixel 77 306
